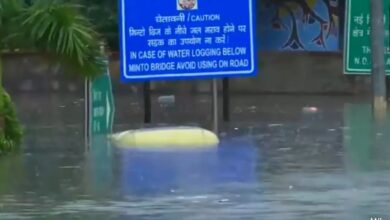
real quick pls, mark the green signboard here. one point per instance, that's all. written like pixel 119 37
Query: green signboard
pixel 357 50
pixel 101 105
pixel 101 118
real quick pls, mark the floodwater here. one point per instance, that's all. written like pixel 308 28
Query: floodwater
pixel 277 160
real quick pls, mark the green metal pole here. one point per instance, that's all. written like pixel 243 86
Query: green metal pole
pixel 378 60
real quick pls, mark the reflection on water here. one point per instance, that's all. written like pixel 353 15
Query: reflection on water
pixel 333 164
pixel 189 171
pixel 367 143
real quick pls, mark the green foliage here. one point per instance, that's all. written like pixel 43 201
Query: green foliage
pixel 55 28
pixel 9 11
pixel 12 130
pixel 104 14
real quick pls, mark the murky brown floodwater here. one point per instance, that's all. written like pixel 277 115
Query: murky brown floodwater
pixel 275 162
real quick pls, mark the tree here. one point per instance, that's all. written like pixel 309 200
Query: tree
pixel 53 28
pixel 104 14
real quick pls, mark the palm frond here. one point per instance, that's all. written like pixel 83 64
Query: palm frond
pixel 60 30
pixel 57 29
pixel 9 11
pixel 8 7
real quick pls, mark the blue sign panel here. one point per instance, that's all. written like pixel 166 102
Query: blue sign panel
pixel 179 39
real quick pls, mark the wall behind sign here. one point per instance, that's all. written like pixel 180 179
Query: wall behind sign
pixel 299 25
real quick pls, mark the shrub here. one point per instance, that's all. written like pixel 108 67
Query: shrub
pixel 12 128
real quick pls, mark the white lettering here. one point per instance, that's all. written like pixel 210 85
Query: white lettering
pixel 162 66
pixel 137 32
pixel 242 28
pixel 154 31
pixel 98 111
pixel 169 19
pixel 150 54
pixel 208 40
pixel 178 53
pixel 133 55
pixel 186 65
pixel 359 19
pixel 368 18
pixel 161 54
pixel 97 95
pixel 366 49
pixel 181 29
pixel 138 67
pixel 358 33
pixel 196 30
pixel 364 60
pixel 191 41
pixel 229 28
pixel 356 61
pixel 223 64
pixel 387 50
pixel 172 42
pixel 212 29
pixel 168 31
pixel 212 17
pixel 207 64
pixel 220 40
pixel 239 63
pixel 206 52
pixel 234 51
pixel 156 42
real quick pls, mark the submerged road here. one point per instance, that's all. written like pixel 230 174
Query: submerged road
pixel 277 160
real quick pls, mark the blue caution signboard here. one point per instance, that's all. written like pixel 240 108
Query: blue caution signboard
pixel 181 39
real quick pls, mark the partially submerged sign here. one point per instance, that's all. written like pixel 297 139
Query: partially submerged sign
pixel 357 49
pixel 101 105
pixel 177 39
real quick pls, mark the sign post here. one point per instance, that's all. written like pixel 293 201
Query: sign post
pixel 187 39
pixel 214 88
pixel 367 47
pixel 147 103
pixel 226 99
pixel 99 122
pixel 378 60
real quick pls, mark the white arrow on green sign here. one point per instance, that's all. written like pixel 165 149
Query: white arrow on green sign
pixel 102 105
